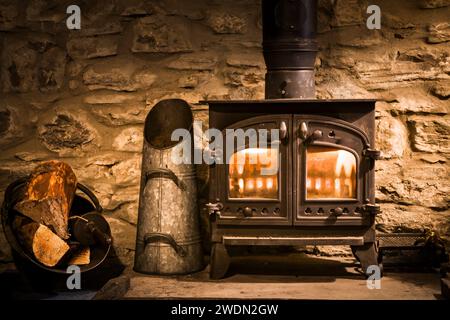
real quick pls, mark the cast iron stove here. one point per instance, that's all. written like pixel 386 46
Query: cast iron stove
pixel 323 191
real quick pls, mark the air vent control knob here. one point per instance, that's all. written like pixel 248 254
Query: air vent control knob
pixel 317 134
pixel 338 211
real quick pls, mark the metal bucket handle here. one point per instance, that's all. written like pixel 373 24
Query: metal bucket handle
pixel 165 173
pixel 91 196
pixel 9 201
pixel 166 238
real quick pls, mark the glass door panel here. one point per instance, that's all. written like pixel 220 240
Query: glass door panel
pixel 253 173
pixel 255 180
pixel 330 173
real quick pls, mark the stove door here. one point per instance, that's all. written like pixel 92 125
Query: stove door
pixel 253 184
pixel 331 185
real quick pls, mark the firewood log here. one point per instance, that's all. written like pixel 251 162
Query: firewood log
pixel 48 196
pixel 81 257
pixel 39 240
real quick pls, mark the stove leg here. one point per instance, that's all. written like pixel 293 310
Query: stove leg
pixel 220 261
pixel 367 255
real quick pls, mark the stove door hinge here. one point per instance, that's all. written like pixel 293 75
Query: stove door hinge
pixel 372 154
pixel 372 209
pixel 214 208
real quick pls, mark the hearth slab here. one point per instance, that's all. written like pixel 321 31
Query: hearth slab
pixel 297 277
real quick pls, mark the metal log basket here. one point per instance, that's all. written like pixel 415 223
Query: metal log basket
pixel 168 237
pixel 80 206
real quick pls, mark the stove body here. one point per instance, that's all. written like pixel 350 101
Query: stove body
pixel 322 191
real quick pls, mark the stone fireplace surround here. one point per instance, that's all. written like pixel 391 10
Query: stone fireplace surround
pixel 82 96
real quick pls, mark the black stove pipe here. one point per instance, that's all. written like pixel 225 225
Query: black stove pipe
pixel 289 47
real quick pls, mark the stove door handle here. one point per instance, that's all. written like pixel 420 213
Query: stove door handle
pixel 283 130
pixel 303 131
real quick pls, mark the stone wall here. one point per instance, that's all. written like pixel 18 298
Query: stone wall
pixel 82 95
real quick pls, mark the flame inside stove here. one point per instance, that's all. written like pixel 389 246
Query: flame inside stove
pixel 246 178
pixel 325 165
pixel 330 174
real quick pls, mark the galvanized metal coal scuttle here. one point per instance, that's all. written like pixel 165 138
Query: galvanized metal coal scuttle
pixel 168 237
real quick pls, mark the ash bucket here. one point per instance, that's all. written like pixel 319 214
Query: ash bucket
pixel 168 236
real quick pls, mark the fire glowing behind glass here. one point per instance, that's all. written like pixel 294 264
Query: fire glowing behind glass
pixel 330 173
pixel 246 178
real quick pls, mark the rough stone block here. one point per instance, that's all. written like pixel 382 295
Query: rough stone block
pixel 138 8
pixel 415 100
pixel 18 66
pixel 123 196
pixel 14 127
pixel 348 12
pixel 11 170
pixel 226 23
pixel 105 26
pixel 127 212
pixel 45 11
pixel 398 22
pixel 430 134
pixel 31 156
pixel 433 4
pixel 123 233
pixel 439 32
pixel 188 82
pixel 129 140
pixel 246 60
pixel 92 47
pixel 193 10
pixel 249 77
pixel 66 132
pixel 108 97
pixel 118 75
pixel 195 62
pixel 52 70
pixel 100 9
pixel 412 182
pixel 401 218
pixel 120 114
pixel 128 171
pixel 359 37
pixel 392 137
pixel 155 33
pixel 441 90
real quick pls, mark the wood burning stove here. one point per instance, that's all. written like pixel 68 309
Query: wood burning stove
pixel 322 191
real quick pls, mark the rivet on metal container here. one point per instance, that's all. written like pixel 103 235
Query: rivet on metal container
pixel 168 234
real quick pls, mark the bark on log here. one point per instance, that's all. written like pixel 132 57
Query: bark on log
pixel 48 196
pixel 47 247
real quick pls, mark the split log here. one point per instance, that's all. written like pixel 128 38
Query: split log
pixel 81 256
pixel 49 195
pixel 46 246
